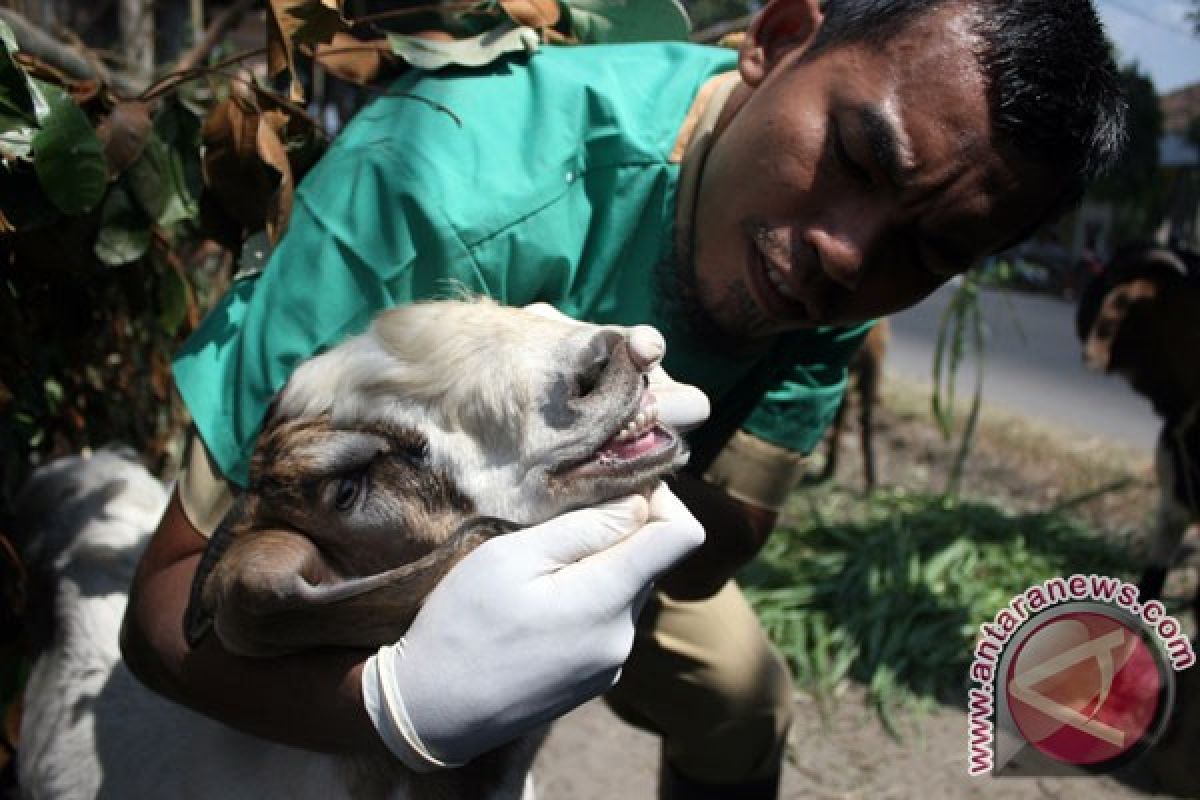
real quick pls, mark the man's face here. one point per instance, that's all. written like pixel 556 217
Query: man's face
pixel 853 183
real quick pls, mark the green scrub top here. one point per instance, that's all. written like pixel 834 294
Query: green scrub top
pixel 539 178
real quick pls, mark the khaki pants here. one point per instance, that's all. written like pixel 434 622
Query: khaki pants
pixel 704 676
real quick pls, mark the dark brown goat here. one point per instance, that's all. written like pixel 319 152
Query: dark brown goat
pixel 866 377
pixel 1140 319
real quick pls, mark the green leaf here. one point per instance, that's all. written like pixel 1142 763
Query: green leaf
pixel 22 200
pixel 147 178
pixel 7 38
pixel 172 301
pixel 159 185
pixel 179 129
pixel 124 230
pixel 165 181
pixel 611 21
pixel 54 394
pixel 68 157
pixel 15 97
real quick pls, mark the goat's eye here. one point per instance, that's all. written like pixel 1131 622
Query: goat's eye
pixel 348 490
pixel 416 454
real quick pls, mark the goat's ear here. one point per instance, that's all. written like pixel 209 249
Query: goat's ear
pixel 273 593
pixel 1114 309
pixel 197 620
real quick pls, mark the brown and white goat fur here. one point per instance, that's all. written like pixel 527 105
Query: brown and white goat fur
pixel 1140 319
pixel 383 462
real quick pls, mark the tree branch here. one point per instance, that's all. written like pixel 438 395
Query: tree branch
pixel 222 24
pixel 42 46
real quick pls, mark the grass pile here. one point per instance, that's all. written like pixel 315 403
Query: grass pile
pixel 889 590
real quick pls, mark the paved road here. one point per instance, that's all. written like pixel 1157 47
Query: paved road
pixel 1032 366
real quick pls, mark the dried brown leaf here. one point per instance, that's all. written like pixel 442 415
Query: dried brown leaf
pixel 351 59
pixel 278 121
pixel 273 153
pixel 233 169
pixel 293 23
pixel 123 134
pixel 160 373
pixel 85 91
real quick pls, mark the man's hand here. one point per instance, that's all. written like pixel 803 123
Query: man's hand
pixel 736 533
pixel 522 630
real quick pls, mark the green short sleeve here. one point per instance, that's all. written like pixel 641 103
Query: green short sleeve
pixel 796 412
pixel 356 244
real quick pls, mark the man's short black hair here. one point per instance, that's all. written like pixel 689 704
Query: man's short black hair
pixel 1052 84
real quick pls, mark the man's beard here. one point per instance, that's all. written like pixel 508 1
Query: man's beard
pixel 686 314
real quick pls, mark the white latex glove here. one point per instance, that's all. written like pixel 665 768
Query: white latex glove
pixel 522 630
pixel 680 405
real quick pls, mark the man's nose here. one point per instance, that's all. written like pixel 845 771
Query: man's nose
pixel 841 256
pixel 842 244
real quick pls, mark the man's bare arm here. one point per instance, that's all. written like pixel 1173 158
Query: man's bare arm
pixel 735 532
pixel 311 700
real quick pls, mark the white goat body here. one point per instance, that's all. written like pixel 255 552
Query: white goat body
pixel 89 728
pixel 524 416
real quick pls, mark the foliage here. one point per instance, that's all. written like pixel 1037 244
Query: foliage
pixel 121 217
pixel 1133 186
pixel 889 591
pixel 710 12
pixel 960 332
pixel 97 198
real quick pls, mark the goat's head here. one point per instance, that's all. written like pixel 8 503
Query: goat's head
pixel 396 453
pixel 1138 319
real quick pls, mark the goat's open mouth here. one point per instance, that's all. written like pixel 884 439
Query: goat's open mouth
pixel 640 443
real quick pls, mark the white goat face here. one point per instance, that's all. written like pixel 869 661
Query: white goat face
pixel 529 416
pixel 388 458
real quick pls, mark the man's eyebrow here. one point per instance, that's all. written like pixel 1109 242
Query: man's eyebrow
pixel 888 143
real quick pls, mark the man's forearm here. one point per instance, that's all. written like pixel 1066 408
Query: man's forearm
pixel 734 531
pixel 311 700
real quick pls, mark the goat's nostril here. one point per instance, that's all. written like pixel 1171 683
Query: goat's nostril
pixel 589 377
pixel 595 359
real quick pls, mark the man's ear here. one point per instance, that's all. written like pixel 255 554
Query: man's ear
pixel 781 27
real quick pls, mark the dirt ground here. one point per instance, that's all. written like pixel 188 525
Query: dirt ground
pixel 847 754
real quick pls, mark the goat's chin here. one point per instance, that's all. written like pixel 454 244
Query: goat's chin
pixel 617 469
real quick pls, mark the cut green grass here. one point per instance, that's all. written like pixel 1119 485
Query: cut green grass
pixel 889 590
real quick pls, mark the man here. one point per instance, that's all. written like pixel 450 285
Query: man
pixel 759 210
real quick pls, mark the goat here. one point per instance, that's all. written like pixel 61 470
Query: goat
pixel 1140 318
pixel 391 456
pixel 866 375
